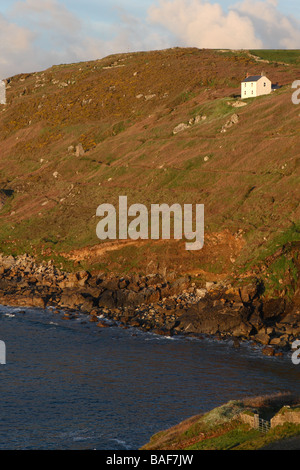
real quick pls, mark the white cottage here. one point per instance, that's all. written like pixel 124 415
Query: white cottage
pixel 2 92
pixel 255 85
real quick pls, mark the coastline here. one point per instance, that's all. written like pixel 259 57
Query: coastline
pixel 165 305
pixel 161 380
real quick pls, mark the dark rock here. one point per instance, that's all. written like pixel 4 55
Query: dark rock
pixel 103 324
pixel 243 330
pixel 284 344
pixel 201 319
pixel 123 283
pixel 179 285
pixel 268 351
pixel 110 284
pixel 256 320
pixel 163 332
pixel 67 316
pixel 278 354
pixel 87 306
pixel 93 318
pixel 134 323
pixel 106 299
pixel 273 309
pixel 94 312
pixel 262 338
pixel 71 300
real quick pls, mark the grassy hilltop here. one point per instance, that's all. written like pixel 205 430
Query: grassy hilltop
pixel 224 428
pixel 123 110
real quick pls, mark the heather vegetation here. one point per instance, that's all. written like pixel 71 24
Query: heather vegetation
pixel 75 136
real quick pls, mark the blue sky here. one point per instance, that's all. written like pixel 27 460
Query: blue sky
pixel 90 8
pixel 40 33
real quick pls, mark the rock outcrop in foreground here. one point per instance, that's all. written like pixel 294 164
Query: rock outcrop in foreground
pixel 237 425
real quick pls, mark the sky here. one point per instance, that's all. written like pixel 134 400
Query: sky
pixel 36 34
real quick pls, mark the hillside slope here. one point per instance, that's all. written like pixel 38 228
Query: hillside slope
pixel 228 427
pixel 123 110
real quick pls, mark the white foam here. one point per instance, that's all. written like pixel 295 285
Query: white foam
pixel 122 443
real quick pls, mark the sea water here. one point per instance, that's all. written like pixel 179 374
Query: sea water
pixel 68 384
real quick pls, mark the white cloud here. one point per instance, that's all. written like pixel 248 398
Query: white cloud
pixel 47 14
pixel 50 34
pixel 250 24
pixel 202 24
pixel 132 34
pixel 275 29
pixel 16 41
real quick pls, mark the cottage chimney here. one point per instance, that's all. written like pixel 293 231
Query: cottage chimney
pixel 263 73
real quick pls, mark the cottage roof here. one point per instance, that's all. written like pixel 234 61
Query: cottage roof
pixel 253 78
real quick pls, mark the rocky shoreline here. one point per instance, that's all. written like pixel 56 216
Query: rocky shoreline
pixel 165 305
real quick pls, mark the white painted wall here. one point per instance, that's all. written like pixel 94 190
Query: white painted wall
pixel 248 90
pixel 264 86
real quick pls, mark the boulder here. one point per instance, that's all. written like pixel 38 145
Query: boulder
pixel 262 338
pixel 232 121
pixel 268 351
pixel 103 324
pixel 150 97
pixel 106 299
pixel 179 285
pixel 71 299
pixel 243 330
pixel 273 309
pixel 87 306
pixel 181 127
pixel 237 104
pixel 202 319
pixel 200 293
pixel 79 150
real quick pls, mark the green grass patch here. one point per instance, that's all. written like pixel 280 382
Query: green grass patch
pixel 213 109
pixel 275 434
pixel 182 98
pixel 278 55
pixel 227 441
pixel 118 128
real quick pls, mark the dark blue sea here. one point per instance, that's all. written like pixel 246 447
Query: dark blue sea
pixel 69 384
